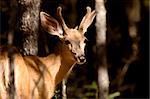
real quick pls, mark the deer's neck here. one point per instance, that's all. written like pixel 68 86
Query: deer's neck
pixel 60 62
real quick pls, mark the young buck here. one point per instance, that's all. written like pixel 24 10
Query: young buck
pixel 36 77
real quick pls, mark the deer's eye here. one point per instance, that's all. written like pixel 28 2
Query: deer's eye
pixel 67 42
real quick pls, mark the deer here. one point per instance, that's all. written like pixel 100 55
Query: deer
pixel 36 77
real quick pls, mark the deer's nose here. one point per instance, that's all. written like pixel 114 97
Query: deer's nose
pixel 82 59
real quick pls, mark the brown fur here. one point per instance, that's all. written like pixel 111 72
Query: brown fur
pixel 35 77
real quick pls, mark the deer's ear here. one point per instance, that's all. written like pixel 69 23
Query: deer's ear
pixel 50 24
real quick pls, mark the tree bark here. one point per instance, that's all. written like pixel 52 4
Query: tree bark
pixel 28 25
pixel 101 61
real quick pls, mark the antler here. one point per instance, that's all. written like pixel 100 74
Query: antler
pixel 87 19
pixel 59 9
pixel 85 23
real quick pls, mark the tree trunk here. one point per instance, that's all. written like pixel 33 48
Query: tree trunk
pixel 64 88
pixel 101 61
pixel 12 20
pixel 28 25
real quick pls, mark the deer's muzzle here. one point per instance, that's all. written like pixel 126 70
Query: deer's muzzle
pixel 81 59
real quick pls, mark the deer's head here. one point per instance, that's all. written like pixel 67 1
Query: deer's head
pixel 73 37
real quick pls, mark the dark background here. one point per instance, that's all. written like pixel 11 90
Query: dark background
pixel 82 81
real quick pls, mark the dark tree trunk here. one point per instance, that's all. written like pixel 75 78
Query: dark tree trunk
pixel 133 15
pixel 28 25
pixel 12 20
